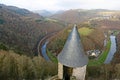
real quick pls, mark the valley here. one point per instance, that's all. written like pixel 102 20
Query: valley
pixel 30 42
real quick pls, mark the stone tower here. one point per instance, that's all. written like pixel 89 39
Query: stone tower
pixel 72 59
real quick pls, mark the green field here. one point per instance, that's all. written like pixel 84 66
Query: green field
pixel 85 31
pixel 52 20
pixel 52 57
pixel 102 57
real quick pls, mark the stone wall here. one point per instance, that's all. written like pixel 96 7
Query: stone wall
pixel 60 71
pixel 79 73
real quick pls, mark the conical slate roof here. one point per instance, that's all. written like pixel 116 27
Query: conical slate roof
pixel 73 54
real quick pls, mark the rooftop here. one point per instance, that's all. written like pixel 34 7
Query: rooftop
pixel 73 54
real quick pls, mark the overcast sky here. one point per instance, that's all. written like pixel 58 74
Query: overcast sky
pixel 64 4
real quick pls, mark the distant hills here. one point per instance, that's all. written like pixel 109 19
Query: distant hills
pixel 78 15
pixel 46 13
pixel 74 16
pixel 18 11
pixel 81 15
pixel 20 29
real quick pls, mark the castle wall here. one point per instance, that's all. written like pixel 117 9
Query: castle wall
pixel 79 73
pixel 60 71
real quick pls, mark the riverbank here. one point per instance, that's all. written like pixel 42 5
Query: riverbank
pixel 107 55
pixel 102 57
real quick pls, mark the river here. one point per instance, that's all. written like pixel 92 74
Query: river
pixel 112 50
pixel 109 56
pixel 43 49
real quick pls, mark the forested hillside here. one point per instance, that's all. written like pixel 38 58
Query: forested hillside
pixel 20 29
pixel 18 67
